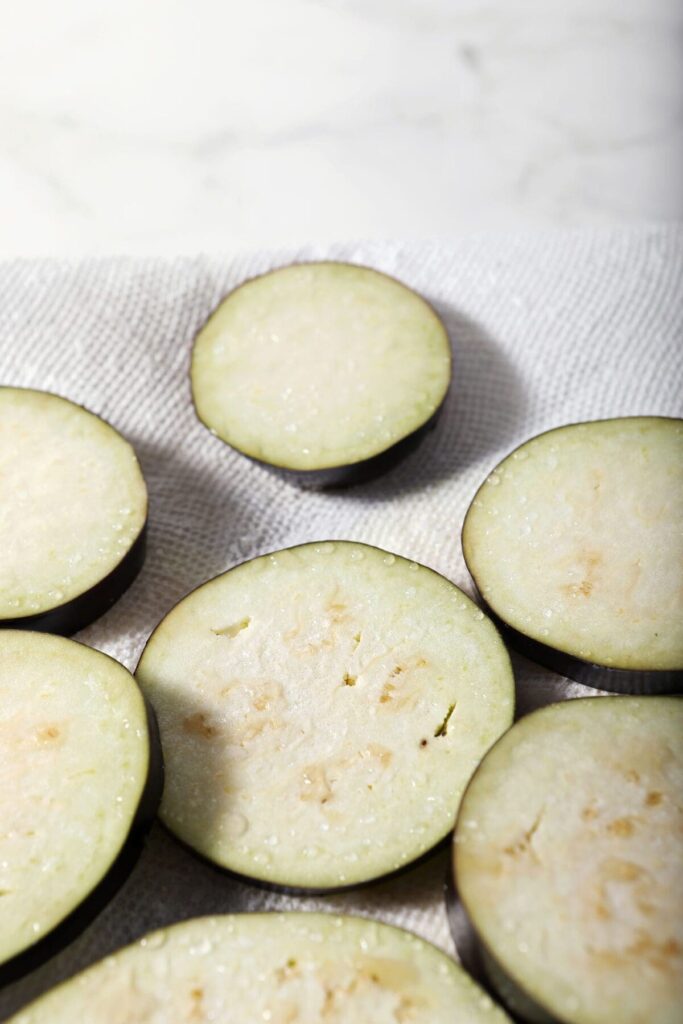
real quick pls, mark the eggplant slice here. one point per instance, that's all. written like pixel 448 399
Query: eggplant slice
pixel 327 371
pixel 81 773
pixel 575 544
pixel 73 506
pixel 567 857
pixel 321 710
pixel 251 968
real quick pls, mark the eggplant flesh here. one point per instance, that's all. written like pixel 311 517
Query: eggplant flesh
pixel 74 508
pixel 82 776
pixel 321 710
pixel 271 967
pixel 329 373
pixel 574 543
pixel 340 477
pixel 567 861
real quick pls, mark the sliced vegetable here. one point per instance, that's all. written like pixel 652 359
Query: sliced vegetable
pixel 251 968
pixel 567 857
pixel 81 779
pixel 321 710
pixel 575 543
pixel 73 506
pixel 329 371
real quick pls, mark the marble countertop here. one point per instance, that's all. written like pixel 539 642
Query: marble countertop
pixel 184 125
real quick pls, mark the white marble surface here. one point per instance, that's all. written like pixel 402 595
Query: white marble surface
pixel 164 126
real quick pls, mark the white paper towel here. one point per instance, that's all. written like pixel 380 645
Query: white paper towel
pixel 546 329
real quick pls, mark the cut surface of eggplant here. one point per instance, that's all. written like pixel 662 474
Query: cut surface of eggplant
pixel 289 967
pixel 575 543
pixel 73 505
pixel 321 710
pixel 75 757
pixel 567 856
pixel 320 366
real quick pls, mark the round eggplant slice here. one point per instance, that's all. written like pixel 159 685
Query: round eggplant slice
pixel 567 859
pixel 81 776
pixel 575 544
pixel 73 506
pixel 271 967
pixel 329 371
pixel 321 710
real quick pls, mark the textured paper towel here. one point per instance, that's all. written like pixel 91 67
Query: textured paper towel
pixel 546 329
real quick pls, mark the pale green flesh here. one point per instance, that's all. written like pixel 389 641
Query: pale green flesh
pixel 72 501
pixel 74 758
pixel 321 710
pixel 319 365
pixel 283 968
pixel 568 855
pixel 575 540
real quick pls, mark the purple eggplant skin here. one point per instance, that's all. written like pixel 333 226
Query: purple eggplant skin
pixel 82 915
pixel 341 477
pixel 352 474
pixel 636 682
pixel 74 615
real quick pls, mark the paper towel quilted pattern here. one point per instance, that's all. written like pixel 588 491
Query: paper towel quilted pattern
pixel 546 329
